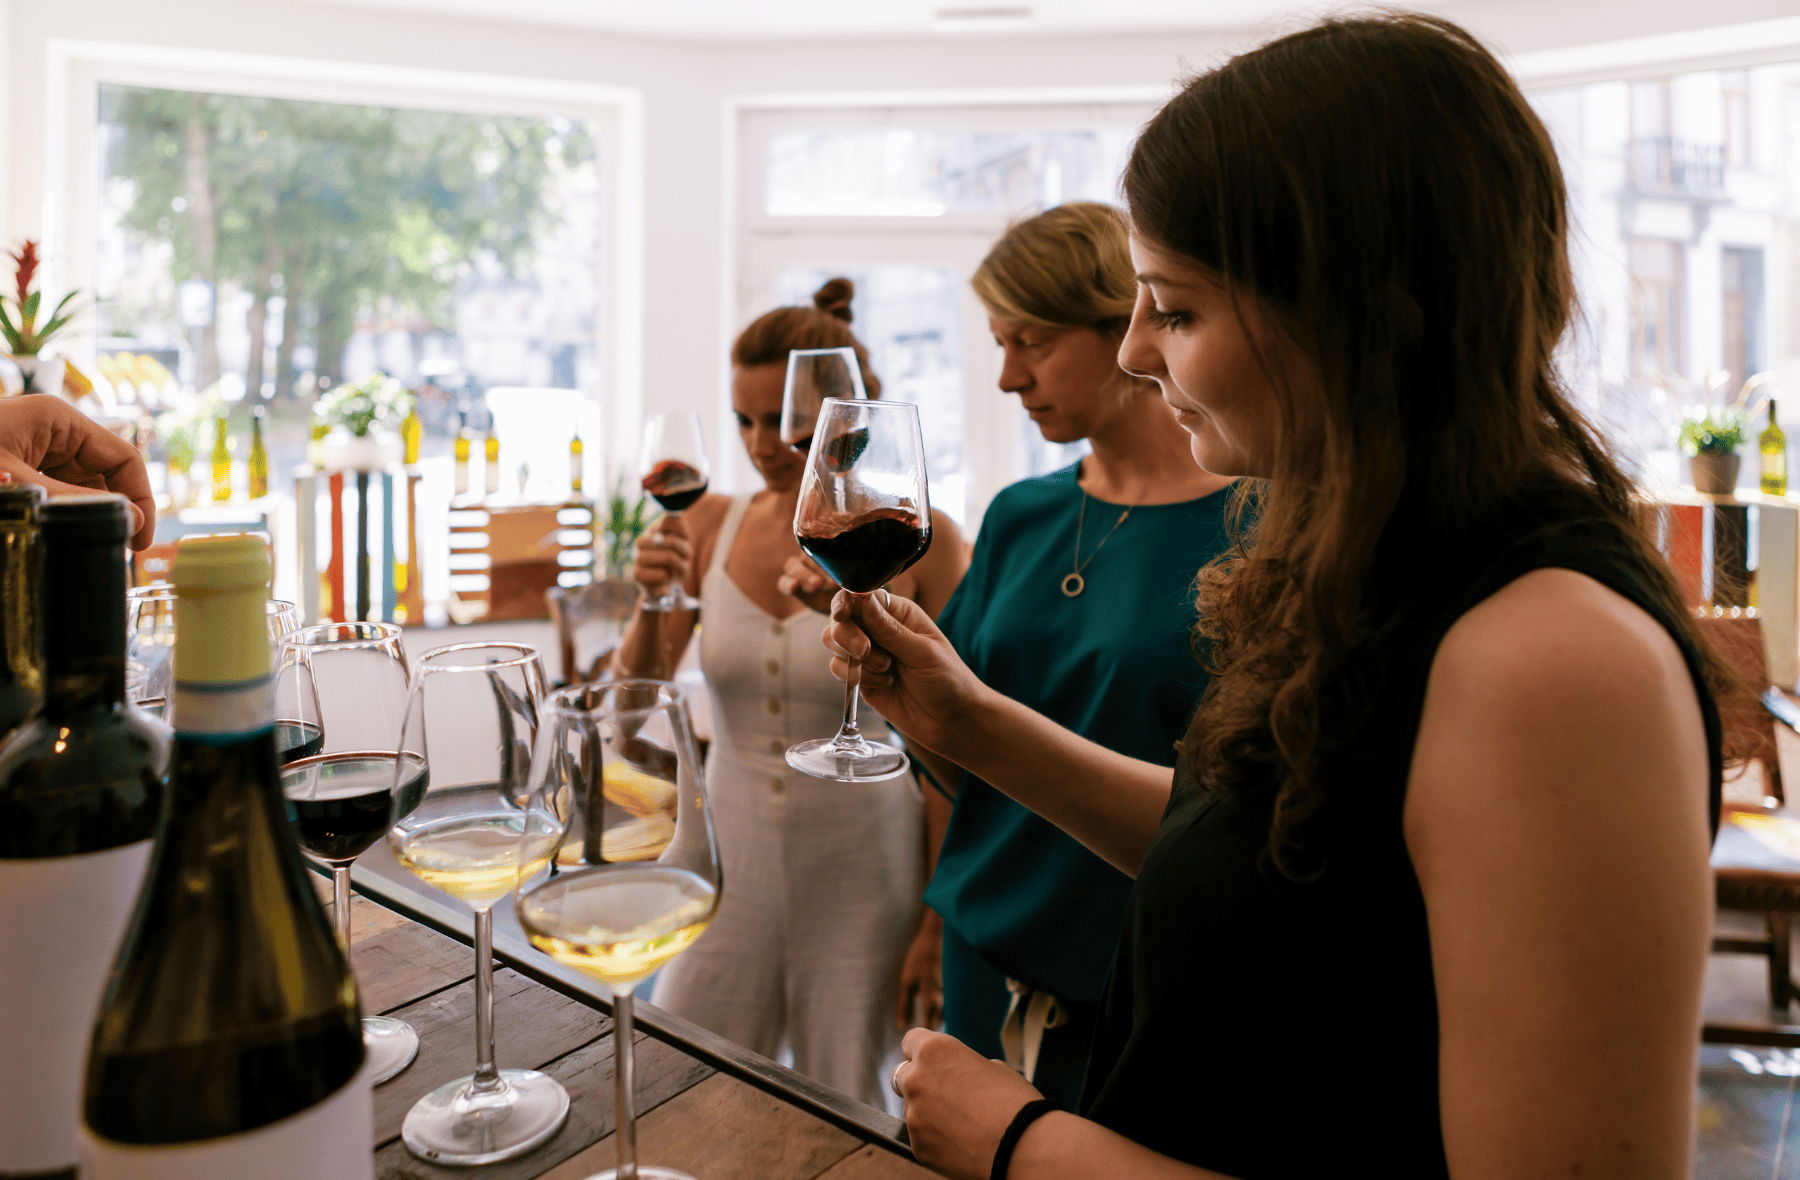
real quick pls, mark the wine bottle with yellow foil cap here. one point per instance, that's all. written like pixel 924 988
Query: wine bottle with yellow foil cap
pixel 80 790
pixel 229 1042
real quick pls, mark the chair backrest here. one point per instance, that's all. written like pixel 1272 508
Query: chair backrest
pixel 1748 726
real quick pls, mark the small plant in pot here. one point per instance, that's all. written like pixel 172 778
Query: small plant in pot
pixel 1710 437
pixel 358 415
pixel 24 333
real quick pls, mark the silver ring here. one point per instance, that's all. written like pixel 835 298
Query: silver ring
pixel 887 600
pixel 656 540
pixel 894 1080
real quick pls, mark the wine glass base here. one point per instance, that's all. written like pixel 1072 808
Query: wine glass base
pixel 391 1046
pixel 671 603
pixel 444 1128
pixel 872 762
pixel 646 1173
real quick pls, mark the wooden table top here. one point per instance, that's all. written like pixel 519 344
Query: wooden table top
pixel 695 1112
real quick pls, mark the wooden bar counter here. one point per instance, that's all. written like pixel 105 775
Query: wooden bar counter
pixel 704 1105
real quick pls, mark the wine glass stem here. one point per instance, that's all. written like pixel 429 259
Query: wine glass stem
pixel 623 1060
pixel 486 1078
pixel 849 733
pixel 340 903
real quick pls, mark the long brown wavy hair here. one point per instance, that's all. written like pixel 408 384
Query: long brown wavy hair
pixel 1381 186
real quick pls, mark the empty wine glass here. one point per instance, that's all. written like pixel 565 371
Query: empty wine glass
pixel 864 515
pixel 472 716
pixel 676 474
pixel 338 781
pixel 635 876
pixel 150 640
pixel 813 376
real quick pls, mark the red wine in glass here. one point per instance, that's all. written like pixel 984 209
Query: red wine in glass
pixel 677 486
pixel 865 552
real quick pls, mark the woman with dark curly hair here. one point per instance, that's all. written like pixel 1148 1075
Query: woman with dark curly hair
pixel 1427 893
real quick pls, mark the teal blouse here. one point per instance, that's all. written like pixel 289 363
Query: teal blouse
pixel 1115 665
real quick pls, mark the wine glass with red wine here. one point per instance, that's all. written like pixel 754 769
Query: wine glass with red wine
pixel 813 375
pixel 864 516
pixel 675 475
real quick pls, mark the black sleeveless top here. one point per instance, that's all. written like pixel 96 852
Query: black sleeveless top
pixel 1267 1028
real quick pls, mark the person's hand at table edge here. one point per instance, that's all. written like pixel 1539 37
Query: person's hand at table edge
pixel 46 441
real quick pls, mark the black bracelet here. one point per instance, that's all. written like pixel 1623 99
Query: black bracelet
pixel 1028 1114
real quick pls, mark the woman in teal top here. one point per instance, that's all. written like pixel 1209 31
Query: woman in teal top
pixel 1076 604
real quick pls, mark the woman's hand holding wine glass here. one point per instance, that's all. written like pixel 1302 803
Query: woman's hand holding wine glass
pixel 909 673
pixel 676 473
pixel 664 558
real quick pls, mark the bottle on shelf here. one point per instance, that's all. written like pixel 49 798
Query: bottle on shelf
pixel 80 790
pixel 1773 444
pixel 315 446
pixel 21 563
pixel 412 430
pixel 575 466
pixel 463 438
pixel 221 461
pixel 259 456
pixel 492 454
pixel 229 1041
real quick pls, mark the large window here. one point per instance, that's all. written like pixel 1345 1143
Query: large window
pixel 1685 193
pixel 257 252
pixel 905 202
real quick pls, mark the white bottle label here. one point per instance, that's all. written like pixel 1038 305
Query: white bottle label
pixel 63 917
pixel 333 1140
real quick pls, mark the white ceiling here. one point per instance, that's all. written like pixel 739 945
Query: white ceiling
pixel 752 19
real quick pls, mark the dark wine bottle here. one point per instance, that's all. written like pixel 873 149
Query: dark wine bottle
pixel 80 788
pixel 229 1042
pixel 21 659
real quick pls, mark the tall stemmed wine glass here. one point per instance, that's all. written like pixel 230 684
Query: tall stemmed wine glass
pixel 814 375
pixel 864 516
pixel 472 716
pixel 635 878
pixel 338 781
pixel 676 474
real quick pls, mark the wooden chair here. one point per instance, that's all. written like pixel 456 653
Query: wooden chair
pixel 571 608
pixel 1756 858
pixel 505 558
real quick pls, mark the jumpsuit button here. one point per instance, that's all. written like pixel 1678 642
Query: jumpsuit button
pixel 774 705
pixel 776 746
pixel 774 628
pixel 774 667
pixel 775 784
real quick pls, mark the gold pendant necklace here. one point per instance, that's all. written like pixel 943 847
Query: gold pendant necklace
pixel 1074 583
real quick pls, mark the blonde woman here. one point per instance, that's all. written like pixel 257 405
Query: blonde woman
pixel 1077 603
pixel 824 878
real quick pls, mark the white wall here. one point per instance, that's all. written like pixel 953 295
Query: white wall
pixel 685 85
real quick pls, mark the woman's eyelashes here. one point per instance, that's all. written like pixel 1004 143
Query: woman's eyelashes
pixel 1168 320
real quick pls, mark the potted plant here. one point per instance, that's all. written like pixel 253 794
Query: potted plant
pixel 360 417
pixel 1710 437
pixel 25 336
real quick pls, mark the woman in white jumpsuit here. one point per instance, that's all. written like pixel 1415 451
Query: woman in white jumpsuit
pixel 822 879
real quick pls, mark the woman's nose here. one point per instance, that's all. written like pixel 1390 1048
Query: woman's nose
pixel 1138 354
pixel 1014 376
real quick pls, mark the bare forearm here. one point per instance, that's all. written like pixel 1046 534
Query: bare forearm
pixel 1111 803
pixel 644 649
pixel 1062 1146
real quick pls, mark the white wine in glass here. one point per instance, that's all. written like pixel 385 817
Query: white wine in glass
pixel 472 716
pixel 635 878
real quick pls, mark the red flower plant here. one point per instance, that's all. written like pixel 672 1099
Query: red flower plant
pixel 24 337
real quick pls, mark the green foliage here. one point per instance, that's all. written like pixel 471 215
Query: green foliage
pixel 181 430
pixel 1715 430
pixel 376 399
pixel 626 520
pixel 335 206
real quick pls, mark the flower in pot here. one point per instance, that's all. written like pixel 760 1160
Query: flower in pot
pixel 1710 437
pixel 361 416
pixel 25 336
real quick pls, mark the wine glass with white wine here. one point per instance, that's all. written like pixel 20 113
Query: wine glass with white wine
pixel 635 878
pixel 471 717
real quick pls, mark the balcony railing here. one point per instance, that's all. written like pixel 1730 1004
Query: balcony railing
pixel 1663 165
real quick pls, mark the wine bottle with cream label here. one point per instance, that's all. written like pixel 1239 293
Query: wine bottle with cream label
pixel 80 788
pixel 229 1042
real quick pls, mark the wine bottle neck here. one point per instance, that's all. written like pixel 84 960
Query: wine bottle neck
pixel 83 612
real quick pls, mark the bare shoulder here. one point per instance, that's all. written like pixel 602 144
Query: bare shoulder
pixel 1554 698
pixel 705 517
